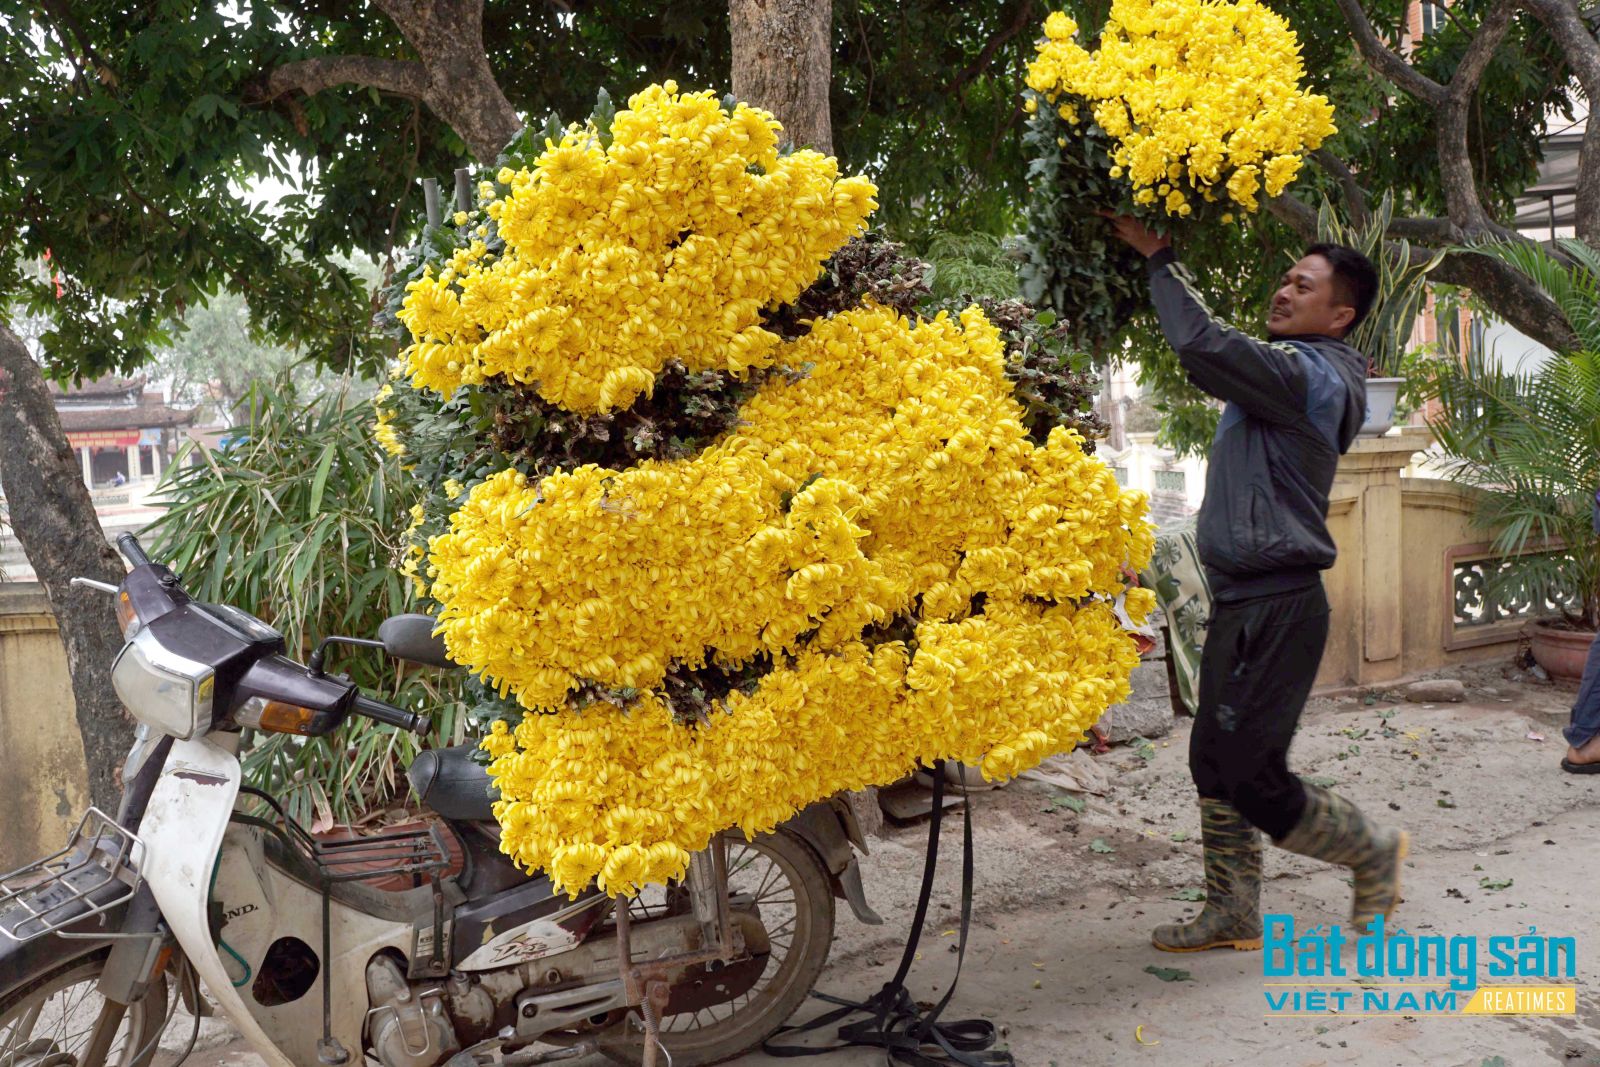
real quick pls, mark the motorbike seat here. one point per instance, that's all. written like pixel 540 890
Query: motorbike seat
pixel 452 785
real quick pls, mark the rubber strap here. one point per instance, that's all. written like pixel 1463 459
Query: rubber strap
pixel 907 1034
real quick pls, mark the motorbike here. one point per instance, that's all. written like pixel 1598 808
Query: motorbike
pixel 405 948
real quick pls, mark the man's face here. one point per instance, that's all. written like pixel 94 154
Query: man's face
pixel 1308 301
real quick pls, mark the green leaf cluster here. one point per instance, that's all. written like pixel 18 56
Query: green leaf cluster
pixel 295 520
pixel 1529 441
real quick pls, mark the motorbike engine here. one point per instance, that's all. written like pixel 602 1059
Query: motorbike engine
pixel 407 1026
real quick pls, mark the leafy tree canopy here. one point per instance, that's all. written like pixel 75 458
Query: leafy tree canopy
pixel 134 133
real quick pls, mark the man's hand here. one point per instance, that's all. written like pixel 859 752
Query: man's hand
pixel 1137 235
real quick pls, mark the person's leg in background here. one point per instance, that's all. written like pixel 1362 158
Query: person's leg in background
pixel 1583 732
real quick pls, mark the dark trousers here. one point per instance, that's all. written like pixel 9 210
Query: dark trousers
pixel 1256 670
pixel 1585 722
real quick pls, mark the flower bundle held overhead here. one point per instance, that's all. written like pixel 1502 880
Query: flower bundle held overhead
pixel 1179 111
pixel 1200 98
pixel 766 534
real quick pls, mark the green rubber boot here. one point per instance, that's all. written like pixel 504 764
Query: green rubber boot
pixel 1231 917
pixel 1333 830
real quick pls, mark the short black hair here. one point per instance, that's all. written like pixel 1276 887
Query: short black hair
pixel 1355 279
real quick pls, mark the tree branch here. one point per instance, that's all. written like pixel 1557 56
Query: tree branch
pixel 1386 61
pixel 1353 193
pixel 1021 21
pixel 1513 296
pixel 1469 72
pixel 1295 214
pixel 42 480
pixel 1428 230
pixel 311 76
pixel 1582 53
pixel 1460 184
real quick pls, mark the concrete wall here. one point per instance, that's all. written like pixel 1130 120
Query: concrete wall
pixel 45 791
pixel 1392 591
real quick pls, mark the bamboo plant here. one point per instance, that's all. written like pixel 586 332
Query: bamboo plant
pixel 298 520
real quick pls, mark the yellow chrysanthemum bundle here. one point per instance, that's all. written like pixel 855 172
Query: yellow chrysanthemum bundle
pixel 876 549
pixel 897 468
pixel 1201 98
pixel 387 436
pixel 664 244
pixel 625 796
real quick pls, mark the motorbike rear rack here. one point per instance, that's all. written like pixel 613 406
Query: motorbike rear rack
pixel 419 852
pixel 96 871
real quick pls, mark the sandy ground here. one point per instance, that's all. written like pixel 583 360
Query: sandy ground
pixel 1059 947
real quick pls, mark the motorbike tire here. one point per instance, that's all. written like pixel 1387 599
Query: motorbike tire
pixel 797 973
pixel 143 1022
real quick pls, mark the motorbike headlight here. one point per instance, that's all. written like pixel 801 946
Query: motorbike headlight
pixel 166 690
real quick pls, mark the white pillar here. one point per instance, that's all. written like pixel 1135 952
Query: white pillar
pixel 133 463
pixel 88 466
pixel 155 460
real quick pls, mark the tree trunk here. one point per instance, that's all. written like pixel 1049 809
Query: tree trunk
pixel 783 61
pixel 54 520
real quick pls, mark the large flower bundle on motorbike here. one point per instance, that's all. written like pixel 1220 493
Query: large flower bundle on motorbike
pixel 1183 112
pixel 733 531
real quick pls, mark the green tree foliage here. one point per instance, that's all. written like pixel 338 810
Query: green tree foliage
pixel 134 131
pixel 1529 442
pixel 129 138
pixel 215 361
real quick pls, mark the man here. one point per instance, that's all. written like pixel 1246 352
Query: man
pixel 1583 731
pixel 1294 404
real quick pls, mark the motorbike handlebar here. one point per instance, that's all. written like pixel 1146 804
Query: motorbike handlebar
pixel 129 546
pixel 389 715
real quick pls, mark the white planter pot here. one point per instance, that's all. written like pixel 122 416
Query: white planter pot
pixel 1381 395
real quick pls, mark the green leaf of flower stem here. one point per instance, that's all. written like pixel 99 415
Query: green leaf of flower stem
pixel 1169 974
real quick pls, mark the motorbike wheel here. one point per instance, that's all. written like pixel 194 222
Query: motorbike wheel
pixel 49 1021
pixel 779 878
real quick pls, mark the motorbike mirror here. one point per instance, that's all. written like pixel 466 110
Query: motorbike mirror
pixel 411 638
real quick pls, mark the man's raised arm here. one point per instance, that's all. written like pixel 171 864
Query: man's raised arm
pixel 1266 380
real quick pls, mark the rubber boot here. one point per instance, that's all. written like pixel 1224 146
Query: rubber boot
pixel 1333 830
pixel 1231 917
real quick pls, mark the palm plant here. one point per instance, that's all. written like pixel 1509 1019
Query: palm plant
pixel 299 522
pixel 1530 441
pixel 1386 331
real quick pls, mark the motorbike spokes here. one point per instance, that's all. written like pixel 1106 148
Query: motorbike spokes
pixel 52 1023
pixel 758 885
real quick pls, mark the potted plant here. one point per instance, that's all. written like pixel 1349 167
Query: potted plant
pixel 1529 442
pixel 1384 333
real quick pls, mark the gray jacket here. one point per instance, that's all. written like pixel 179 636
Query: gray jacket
pixel 1293 407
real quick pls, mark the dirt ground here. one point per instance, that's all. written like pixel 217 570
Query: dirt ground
pixel 1502 841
